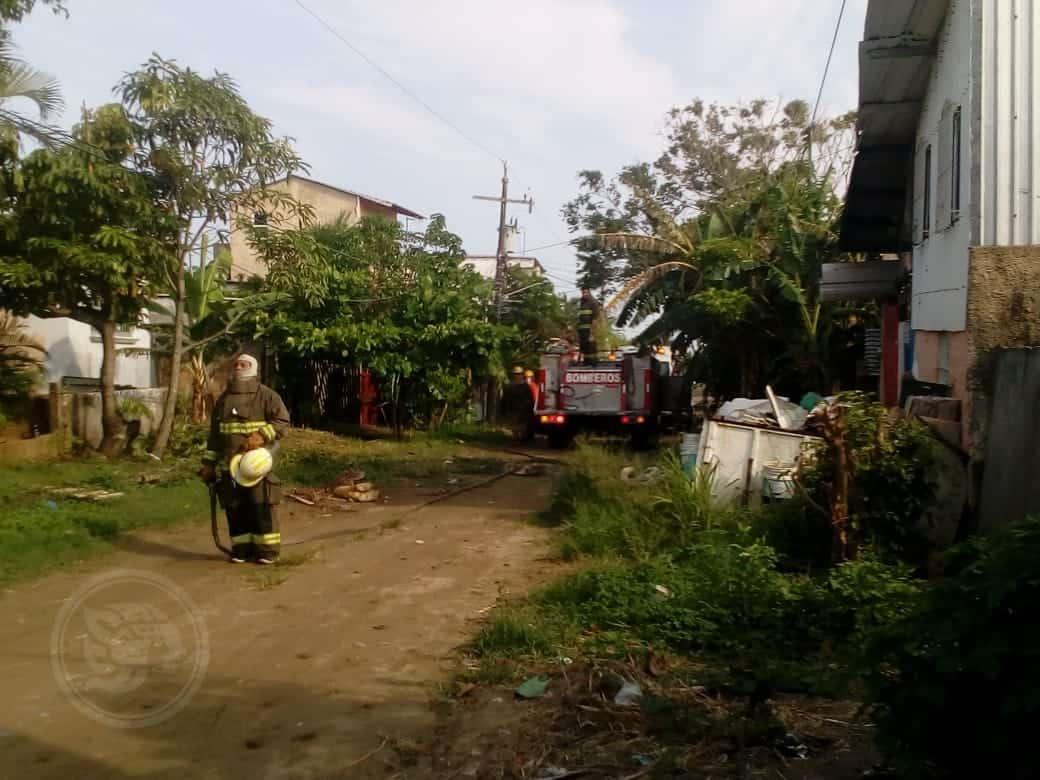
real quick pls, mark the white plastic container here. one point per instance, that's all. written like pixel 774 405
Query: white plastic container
pixel 688 447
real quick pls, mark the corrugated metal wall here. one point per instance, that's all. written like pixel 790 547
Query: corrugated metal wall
pixel 1010 164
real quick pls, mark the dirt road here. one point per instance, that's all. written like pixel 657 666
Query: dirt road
pixel 310 667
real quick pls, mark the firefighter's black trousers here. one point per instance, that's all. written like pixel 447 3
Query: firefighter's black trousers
pixel 587 344
pixel 252 515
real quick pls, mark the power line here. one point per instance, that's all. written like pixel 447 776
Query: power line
pixel 64 138
pixel 386 74
pixel 826 70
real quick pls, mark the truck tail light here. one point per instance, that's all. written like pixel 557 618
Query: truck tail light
pixel 625 419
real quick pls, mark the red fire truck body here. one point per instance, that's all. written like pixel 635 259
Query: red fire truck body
pixel 616 395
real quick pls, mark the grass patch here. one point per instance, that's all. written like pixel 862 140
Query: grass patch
pixel 514 631
pixel 316 458
pixel 665 568
pixel 40 530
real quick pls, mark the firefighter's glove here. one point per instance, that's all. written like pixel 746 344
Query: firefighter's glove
pixel 208 473
pixel 255 441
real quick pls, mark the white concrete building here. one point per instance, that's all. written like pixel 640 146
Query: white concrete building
pixel 946 173
pixel 74 350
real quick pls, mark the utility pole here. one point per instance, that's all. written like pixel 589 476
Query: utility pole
pixel 491 392
pixel 500 255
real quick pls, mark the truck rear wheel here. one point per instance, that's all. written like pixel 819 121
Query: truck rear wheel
pixel 560 440
pixel 645 440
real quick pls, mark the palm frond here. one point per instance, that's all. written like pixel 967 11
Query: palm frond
pixel 633 285
pixel 19 79
pixel 638 242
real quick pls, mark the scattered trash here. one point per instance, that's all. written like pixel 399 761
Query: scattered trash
pixel 532 688
pixel 300 499
pixel 379 627
pixel 792 747
pixel 661 592
pixel 810 401
pixel 149 479
pixel 763 412
pixel 50 503
pixel 448 461
pixel 453 481
pixel 530 470
pixel 362 492
pixel 630 474
pixel 465 690
pixel 652 474
pixel 566 660
pixel 419 541
pixel 350 476
pixel 630 693
pixel 87 495
pixel 643 760
pixel 549 772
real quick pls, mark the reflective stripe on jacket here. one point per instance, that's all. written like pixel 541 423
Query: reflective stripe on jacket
pixel 241 411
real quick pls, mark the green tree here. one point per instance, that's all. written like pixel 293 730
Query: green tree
pixel 83 238
pixel 210 319
pixel 214 159
pixel 536 314
pixel 16 10
pixel 399 304
pixel 720 241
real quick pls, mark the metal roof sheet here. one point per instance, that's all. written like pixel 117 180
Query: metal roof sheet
pixel 895 60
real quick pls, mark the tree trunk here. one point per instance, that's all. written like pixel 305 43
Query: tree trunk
pixel 111 422
pixel 162 438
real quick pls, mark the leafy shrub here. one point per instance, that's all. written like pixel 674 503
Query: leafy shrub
pixel 891 460
pixel 956 683
pixel 798 532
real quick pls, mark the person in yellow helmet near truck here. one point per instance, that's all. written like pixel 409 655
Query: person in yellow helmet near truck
pixel 249 421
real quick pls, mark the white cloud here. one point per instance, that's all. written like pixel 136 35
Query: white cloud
pixel 383 117
pixel 560 58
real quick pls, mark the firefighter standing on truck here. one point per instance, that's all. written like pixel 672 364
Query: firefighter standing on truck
pixel 589 311
pixel 249 420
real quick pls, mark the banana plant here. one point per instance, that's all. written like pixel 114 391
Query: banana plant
pixel 209 316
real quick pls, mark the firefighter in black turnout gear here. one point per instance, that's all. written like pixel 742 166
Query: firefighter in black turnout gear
pixel 247 417
pixel 589 311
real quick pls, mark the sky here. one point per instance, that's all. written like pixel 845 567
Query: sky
pixel 552 86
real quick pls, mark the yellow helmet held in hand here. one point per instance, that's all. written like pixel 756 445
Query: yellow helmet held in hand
pixel 250 468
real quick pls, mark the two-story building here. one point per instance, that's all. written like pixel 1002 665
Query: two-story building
pixel 329 204
pixel 947 175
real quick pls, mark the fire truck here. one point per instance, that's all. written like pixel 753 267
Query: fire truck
pixel 630 392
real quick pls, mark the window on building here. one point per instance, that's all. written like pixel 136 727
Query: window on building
pixel 955 167
pixel 926 211
pixel 126 328
pixel 260 218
